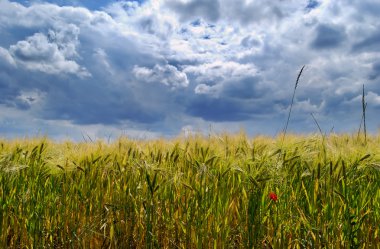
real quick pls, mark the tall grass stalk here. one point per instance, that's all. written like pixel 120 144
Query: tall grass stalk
pixel 292 102
pixel 316 122
pixel 364 107
pixel 363 119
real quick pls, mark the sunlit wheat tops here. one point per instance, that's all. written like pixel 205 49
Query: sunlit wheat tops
pixel 216 192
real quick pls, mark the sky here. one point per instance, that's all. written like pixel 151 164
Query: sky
pixel 160 68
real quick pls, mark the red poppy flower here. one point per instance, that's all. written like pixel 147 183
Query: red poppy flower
pixel 273 196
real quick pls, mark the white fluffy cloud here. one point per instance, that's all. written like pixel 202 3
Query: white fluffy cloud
pixel 42 14
pixel 48 54
pixel 220 70
pixel 168 75
pixel 53 51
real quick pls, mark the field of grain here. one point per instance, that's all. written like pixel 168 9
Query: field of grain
pixel 220 191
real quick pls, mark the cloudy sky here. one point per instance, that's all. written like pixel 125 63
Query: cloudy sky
pixel 153 68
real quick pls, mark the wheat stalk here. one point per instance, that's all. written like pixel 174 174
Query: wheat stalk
pixel 294 94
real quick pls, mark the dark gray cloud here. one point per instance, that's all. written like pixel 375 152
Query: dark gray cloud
pixel 86 103
pixel 255 11
pixel 217 109
pixel 366 8
pixel 244 88
pixel 151 25
pixel 236 11
pixel 188 11
pixel 238 99
pixel 228 109
pixel 370 43
pixel 82 101
pixel 250 42
pixel 111 94
pixel 328 36
pixel 8 88
pixel 375 74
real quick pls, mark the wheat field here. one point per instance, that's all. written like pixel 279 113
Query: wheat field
pixel 220 191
